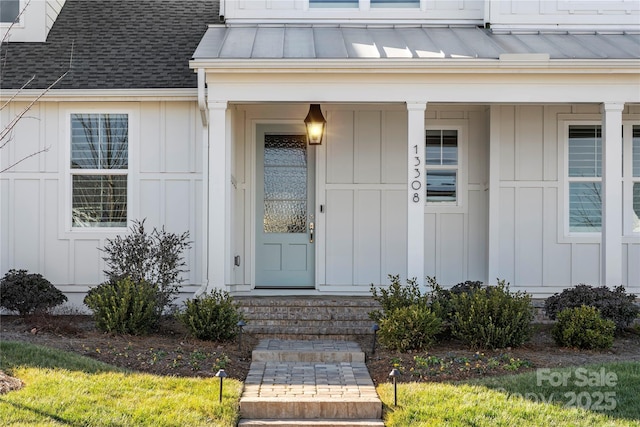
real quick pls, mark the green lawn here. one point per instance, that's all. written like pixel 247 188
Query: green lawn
pixel 543 398
pixel 65 388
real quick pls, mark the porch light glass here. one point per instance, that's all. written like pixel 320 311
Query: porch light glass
pixel 315 123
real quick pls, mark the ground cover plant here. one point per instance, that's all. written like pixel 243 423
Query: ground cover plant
pixel 529 399
pixel 98 394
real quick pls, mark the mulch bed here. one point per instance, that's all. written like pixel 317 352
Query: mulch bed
pixel 171 351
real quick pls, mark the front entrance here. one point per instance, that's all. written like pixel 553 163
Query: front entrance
pixel 285 195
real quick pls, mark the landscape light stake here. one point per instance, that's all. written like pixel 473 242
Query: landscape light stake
pixel 375 329
pixel 222 375
pixel 394 374
pixel 241 325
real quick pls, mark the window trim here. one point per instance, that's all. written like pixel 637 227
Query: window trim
pixel 65 209
pixel 462 184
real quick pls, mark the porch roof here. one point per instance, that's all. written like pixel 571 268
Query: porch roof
pixel 291 42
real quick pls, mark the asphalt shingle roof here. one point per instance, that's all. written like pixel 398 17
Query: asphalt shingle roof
pixel 116 44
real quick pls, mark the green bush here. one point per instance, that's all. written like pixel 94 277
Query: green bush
pixel 396 296
pixel 583 327
pixel 492 317
pixel 124 306
pixel 412 327
pixel 28 293
pixel 155 258
pixel 614 304
pixel 440 298
pixel 212 316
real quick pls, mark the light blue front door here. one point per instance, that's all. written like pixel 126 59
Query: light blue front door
pixel 285 243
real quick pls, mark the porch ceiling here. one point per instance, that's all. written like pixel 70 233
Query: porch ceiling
pixel 408 42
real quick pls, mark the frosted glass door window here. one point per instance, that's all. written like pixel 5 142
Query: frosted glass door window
pixel 285 184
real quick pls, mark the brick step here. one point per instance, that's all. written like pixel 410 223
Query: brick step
pixel 323 351
pixel 265 321
pixel 307 301
pixel 314 316
pixel 292 330
pixel 310 423
pixel 310 408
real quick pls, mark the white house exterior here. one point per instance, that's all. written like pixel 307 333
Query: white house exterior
pixel 521 119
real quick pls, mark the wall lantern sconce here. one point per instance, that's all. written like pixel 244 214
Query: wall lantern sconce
pixel 315 123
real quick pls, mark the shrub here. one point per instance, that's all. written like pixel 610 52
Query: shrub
pixel 212 316
pixel 28 293
pixel 583 327
pixel 396 296
pixel 492 317
pixel 412 327
pixel 155 258
pixel 440 298
pixel 614 304
pixel 124 306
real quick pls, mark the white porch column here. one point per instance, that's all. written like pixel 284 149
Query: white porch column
pixel 219 200
pixel 416 191
pixel 494 195
pixel 611 247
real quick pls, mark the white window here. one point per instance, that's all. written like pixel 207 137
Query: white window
pixel 442 166
pixel 9 11
pixel 584 174
pixel 99 162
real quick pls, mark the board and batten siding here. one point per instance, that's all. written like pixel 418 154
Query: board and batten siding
pixel 534 252
pixel 361 184
pixel 165 169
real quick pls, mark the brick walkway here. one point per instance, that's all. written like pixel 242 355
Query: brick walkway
pixel 329 381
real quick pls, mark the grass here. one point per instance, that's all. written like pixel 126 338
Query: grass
pixel 65 388
pixel 595 395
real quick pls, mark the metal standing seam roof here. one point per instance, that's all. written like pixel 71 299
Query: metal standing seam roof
pixel 351 42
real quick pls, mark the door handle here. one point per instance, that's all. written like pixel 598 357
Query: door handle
pixel 311 231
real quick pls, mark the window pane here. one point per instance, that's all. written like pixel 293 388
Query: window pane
pixel 395 3
pixel 99 201
pixel 333 3
pixel 285 183
pixel 585 207
pixel 9 10
pixel 636 151
pixel 441 147
pixel 441 186
pixel 99 141
pixel 585 151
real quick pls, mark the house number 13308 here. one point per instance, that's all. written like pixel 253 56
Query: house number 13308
pixel 416 184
